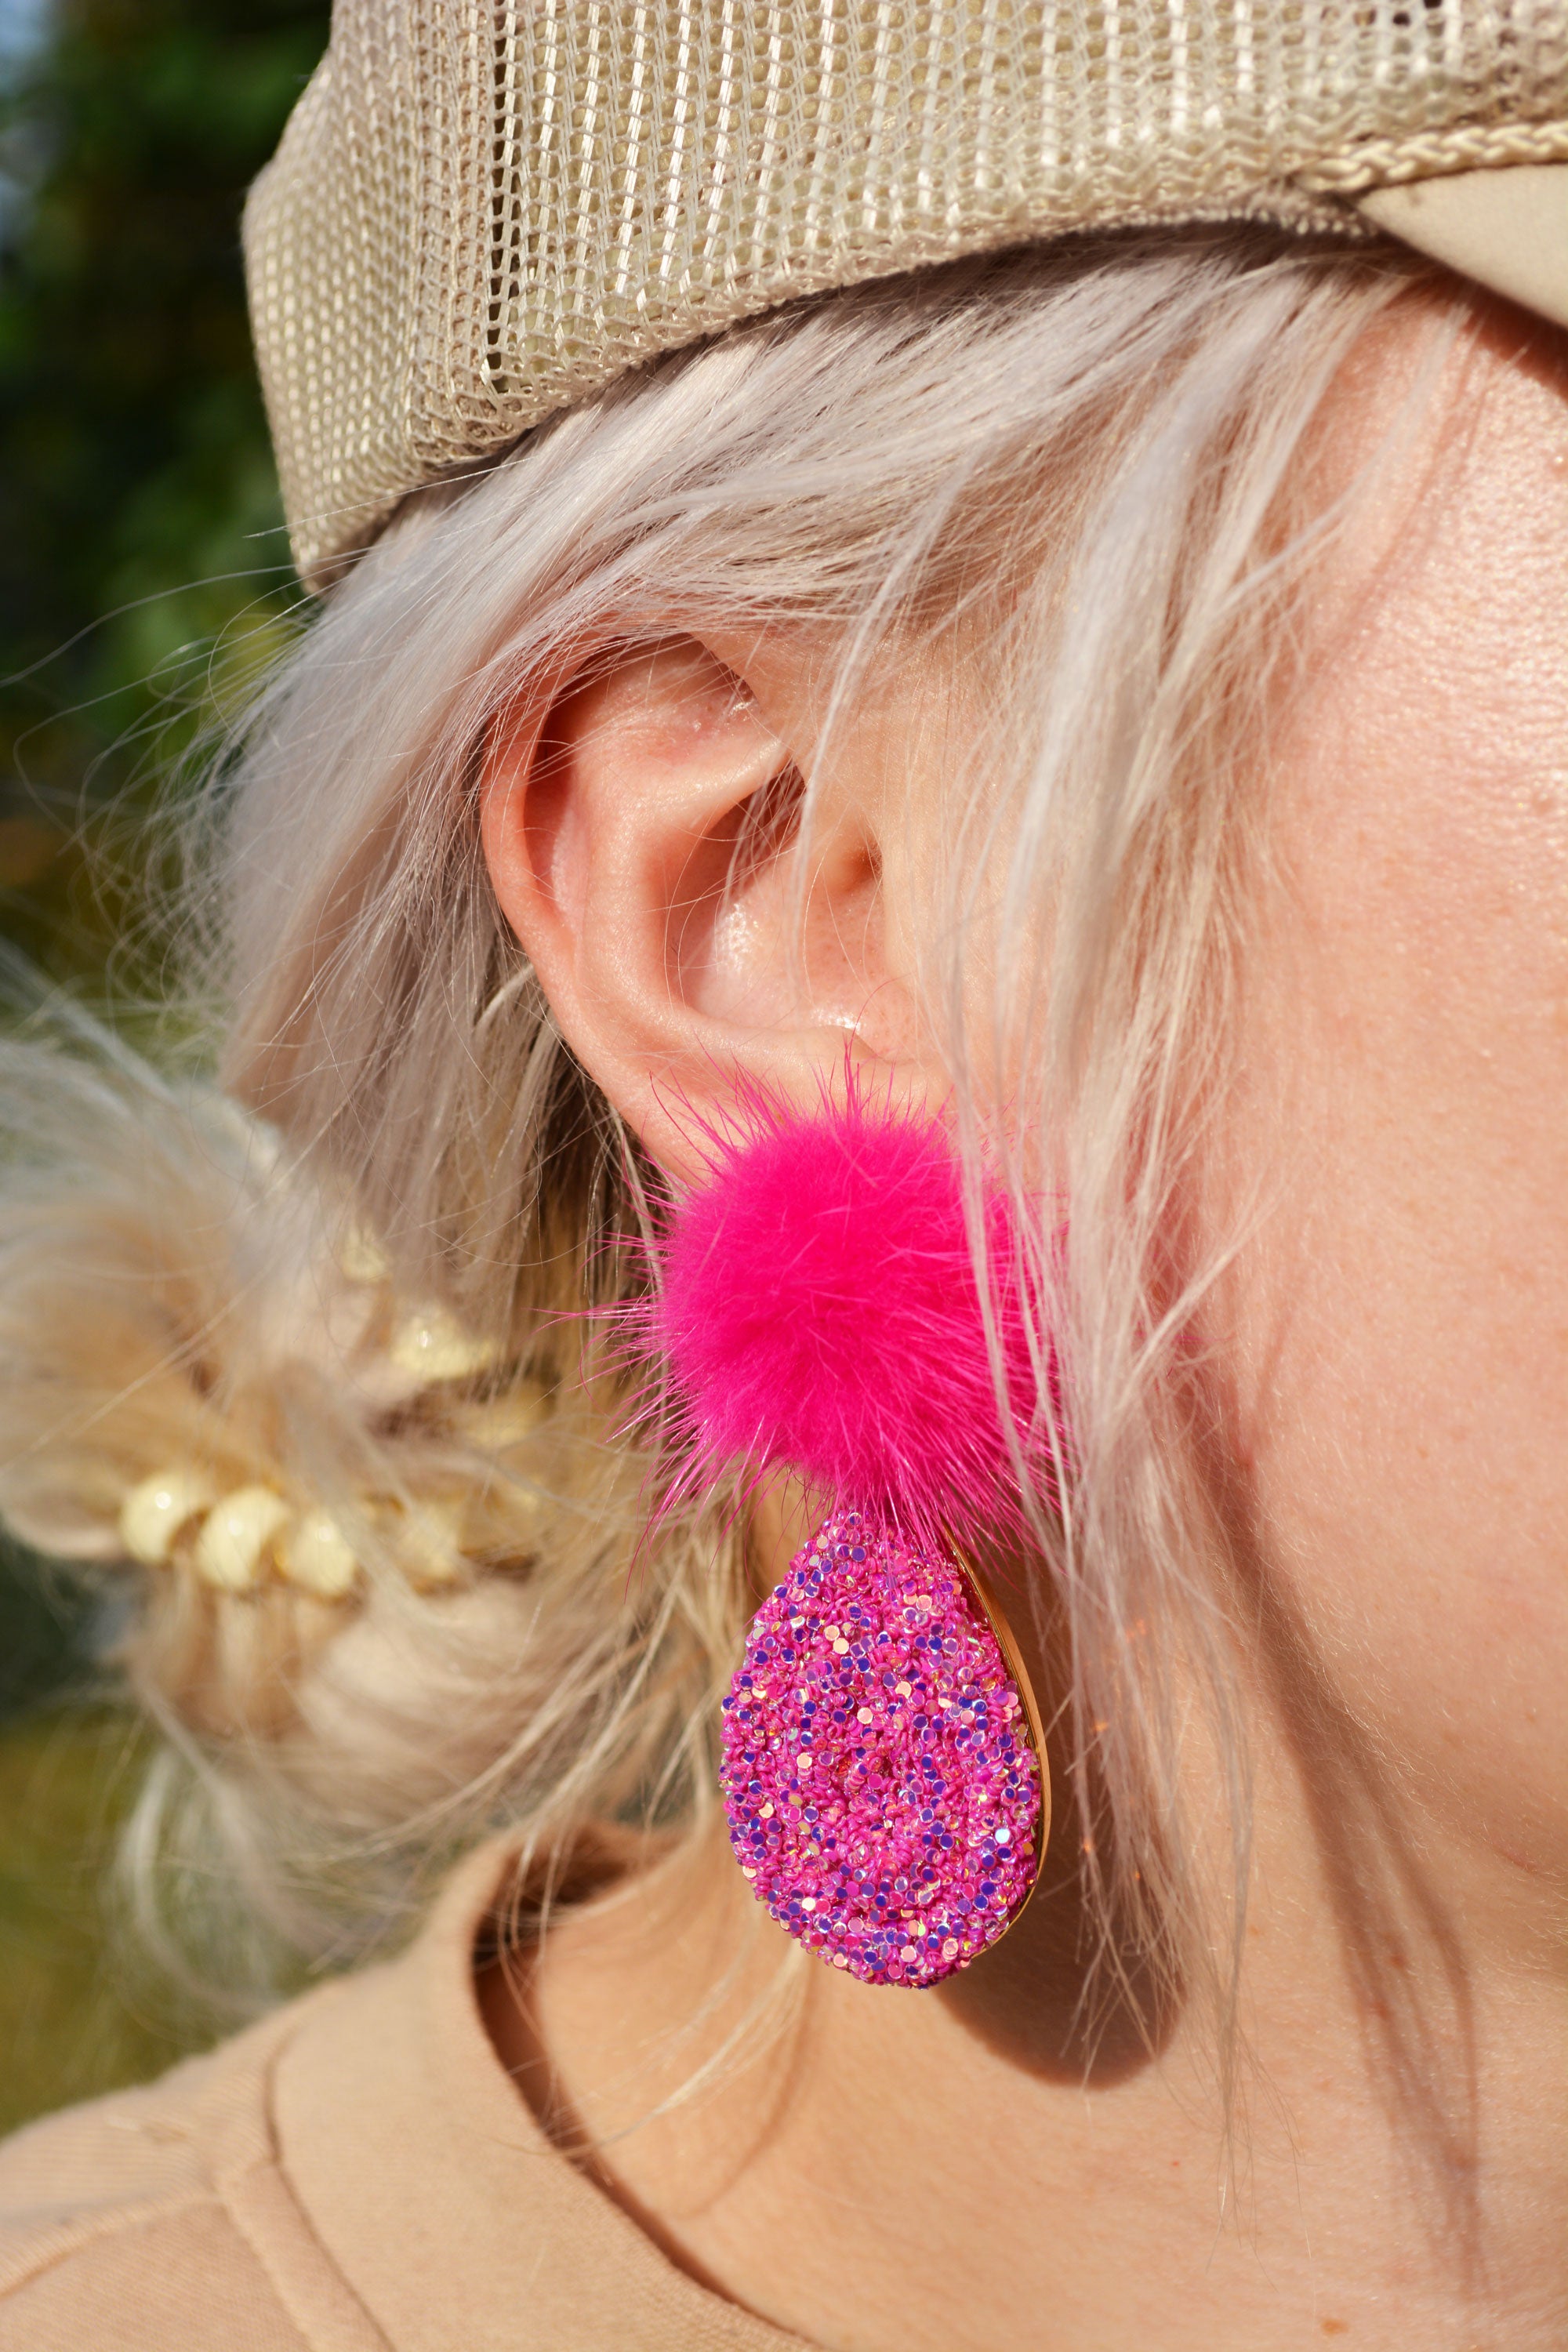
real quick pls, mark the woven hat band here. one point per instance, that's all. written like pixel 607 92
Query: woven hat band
pixel 482 212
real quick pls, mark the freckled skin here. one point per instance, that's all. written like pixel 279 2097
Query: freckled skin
pixel 1398 1327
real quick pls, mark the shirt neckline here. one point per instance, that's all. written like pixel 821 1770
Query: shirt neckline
pixel 433 2188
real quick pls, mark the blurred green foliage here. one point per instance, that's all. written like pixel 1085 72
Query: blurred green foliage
pixel 144 581
pixel 47 1621
pixel 142 563
pixel 74 2018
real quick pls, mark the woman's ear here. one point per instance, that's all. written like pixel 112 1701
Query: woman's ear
pixel 647 847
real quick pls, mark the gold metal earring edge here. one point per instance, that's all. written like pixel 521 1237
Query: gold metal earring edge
pixel 1012 1658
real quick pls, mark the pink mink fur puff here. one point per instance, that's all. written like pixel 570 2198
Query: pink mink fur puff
pixel 819 1307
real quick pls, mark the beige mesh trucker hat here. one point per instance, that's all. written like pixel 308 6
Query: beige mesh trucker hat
pixel 483 210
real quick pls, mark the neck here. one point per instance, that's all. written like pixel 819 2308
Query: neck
pixel 874 2169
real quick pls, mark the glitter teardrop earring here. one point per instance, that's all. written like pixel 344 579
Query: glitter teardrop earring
pixel 883 1765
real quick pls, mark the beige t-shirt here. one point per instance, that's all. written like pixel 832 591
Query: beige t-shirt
pixel 357 2173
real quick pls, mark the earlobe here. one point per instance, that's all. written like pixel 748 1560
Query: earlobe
pixel 642 845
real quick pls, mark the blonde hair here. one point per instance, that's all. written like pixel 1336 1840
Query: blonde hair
pixel 1078 477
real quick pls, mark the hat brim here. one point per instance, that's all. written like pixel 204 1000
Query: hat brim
pixel 1506 227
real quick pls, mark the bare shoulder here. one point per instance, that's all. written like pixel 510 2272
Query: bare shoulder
pixel 147 2222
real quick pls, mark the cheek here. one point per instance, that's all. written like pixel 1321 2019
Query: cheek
pixel 1400 1317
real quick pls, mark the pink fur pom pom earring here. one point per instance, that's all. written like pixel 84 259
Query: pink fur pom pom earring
pixel 883 1765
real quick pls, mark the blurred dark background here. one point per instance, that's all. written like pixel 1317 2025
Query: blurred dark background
pixel 145 581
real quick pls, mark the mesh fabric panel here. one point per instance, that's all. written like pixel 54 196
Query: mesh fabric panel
pixel 481 213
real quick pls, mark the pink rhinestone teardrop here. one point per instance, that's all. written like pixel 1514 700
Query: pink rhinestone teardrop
pixel 877 1772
